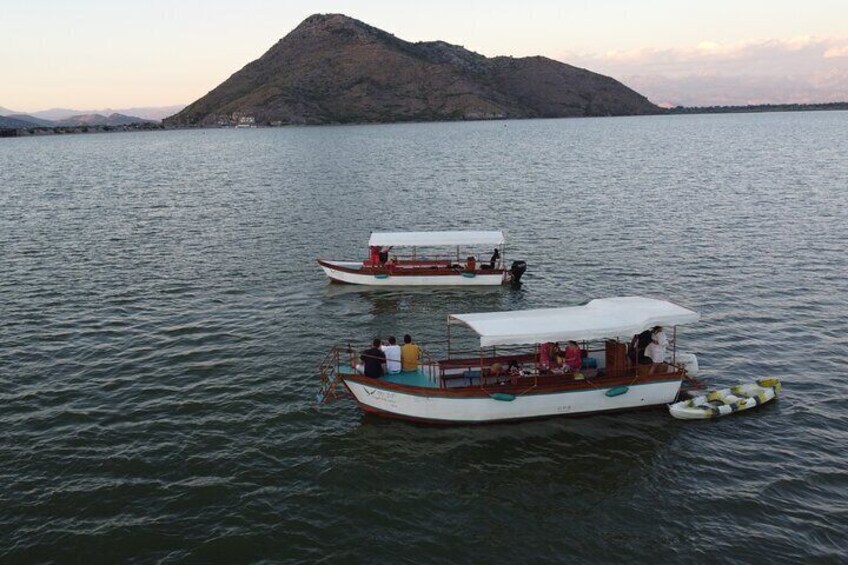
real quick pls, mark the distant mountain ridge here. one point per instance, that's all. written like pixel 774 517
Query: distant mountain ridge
pixel 335 69
pixel 27 121
pixel 144 113
pixel 10 122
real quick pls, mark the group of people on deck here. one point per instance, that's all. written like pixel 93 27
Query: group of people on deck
pixel 552 358
pixel 389 357
pixel 379 256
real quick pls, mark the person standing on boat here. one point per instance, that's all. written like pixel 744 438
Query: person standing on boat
pixel 410 354
pixel 658 336
pixel 392 351
pixel 374 255
pixel 372 360
pixel 493 262
pixel 655 351
pixel 639 344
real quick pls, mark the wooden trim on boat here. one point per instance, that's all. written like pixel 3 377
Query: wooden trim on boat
pixel 401 270
pixel 527 385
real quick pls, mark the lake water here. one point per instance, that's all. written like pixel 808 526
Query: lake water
pixel 163 320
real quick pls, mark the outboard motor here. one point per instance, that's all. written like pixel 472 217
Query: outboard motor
pixel 516 270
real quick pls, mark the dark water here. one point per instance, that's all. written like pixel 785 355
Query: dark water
pixel 163 321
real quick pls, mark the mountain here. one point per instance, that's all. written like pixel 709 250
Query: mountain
pixel 99 120
pixel 155 113
pixel 143 113
pixel 15 123
pixel 335 69
pixel 33 121
pixel 56 114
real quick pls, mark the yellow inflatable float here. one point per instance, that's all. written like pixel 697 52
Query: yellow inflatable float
pixel 716 403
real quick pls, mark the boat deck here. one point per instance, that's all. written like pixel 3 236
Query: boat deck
pixel 426 376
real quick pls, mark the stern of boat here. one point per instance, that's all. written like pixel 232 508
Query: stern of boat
pixel 332 387
pixel 515 272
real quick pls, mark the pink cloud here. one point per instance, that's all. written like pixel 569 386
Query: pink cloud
pixel 836 52
pixel 800 69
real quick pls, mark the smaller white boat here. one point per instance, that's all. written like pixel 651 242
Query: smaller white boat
pixel 716 403
pixel 429 260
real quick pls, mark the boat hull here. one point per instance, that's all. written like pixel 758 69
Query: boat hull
pixel 444 407
pixel 351 273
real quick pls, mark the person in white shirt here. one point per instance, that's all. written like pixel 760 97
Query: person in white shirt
pixel 656 349
pixel 658 336
pixel 392 351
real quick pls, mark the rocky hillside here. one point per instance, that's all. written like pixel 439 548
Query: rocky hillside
pixel 334 69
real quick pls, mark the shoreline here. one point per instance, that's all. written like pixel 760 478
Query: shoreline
pixel 676 111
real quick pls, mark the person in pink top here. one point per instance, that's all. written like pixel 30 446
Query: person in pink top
pixel 573 356
pixel 374 255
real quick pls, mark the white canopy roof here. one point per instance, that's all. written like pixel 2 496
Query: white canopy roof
pixel 435 238
pixel 600 318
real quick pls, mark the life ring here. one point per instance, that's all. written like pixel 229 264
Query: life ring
pixel 617 390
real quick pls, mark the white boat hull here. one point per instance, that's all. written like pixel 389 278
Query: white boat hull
pixel 439 408
pixel 458 279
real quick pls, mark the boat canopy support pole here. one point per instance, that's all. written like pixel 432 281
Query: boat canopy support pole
pixel 674 344
pixel 449 337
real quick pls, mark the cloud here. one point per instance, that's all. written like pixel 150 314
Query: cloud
pixel 836 52
pixel 800 69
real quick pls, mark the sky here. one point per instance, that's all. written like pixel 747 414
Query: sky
pixel 96 54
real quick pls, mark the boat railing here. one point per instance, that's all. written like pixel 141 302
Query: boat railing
pixel 345 359
pixel 447 261
pixel 476 367
pixel 598 363
pixel 332 386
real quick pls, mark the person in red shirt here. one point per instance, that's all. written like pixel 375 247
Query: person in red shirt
pixel 573 356
pixel 374 255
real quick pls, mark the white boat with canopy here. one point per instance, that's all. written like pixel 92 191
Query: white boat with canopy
pixel 439 258
pixel 516 375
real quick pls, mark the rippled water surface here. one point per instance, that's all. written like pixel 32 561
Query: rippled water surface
pixel 163 320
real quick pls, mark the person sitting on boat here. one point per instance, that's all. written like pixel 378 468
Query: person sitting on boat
pixel 372 360
pixel 497 371
pixel 548 356
pixel 557 354
pixel 573 356
pixel 410 354
pixel 392 351
pixel 471 264
pixel 514 371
